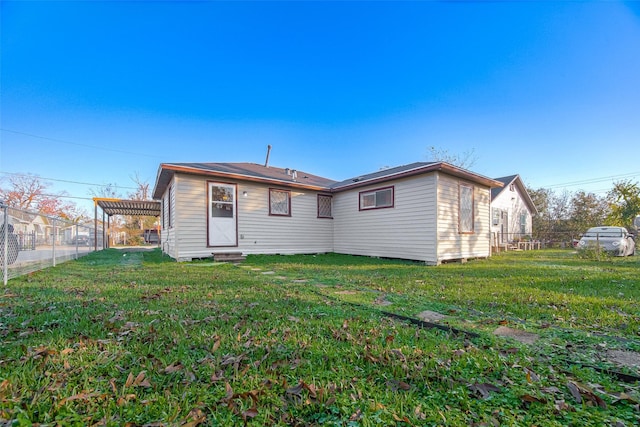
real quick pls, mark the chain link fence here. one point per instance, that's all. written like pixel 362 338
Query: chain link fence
pixel 30 241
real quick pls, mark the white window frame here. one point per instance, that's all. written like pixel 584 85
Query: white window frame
pixel 372 199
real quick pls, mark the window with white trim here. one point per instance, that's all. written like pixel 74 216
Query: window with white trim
pixel 523 222
pixel 465 207
pixel 377 199
pixel 279 202
pixel 324 206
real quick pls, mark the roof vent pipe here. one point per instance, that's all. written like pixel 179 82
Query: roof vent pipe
pixel 294 174
pixel 266 162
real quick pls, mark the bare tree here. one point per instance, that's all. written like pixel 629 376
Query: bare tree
pixel 107 191
pixel 142 188
pixel 142 192
pixel 24 191
pixel 465 160
pixel 30 192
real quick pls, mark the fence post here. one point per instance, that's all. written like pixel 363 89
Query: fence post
pixel 53 243
pixel 5 243
pixel 76 238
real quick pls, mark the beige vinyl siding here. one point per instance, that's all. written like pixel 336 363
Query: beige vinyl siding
pixel 258 232
pixel 451 243
pixel 302 232
pixel 167 234
pixel 190 217
pixel 406 230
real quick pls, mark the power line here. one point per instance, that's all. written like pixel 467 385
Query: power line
pixel 67 181
pixel 594 180
pixel 77 144
pixel 61 196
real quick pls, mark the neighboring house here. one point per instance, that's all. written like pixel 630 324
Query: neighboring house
pixel 512 211
pixel 430 212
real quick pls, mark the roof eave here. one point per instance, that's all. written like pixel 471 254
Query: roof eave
pixel 170 170
pixel 434 167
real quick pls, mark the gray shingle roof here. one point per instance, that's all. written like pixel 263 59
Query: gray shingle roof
pixel 381 174
pixel 506 180
pixel 286 177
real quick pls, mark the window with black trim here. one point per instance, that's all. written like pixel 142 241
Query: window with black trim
pixel 279 202
pixel 465 207
pixel 377 199
pixel 324 206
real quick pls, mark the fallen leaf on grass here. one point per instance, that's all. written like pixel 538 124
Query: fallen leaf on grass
pixel 401 420
pixel 174 367
pixel 139 381
pixel 216 344
pixel 116 317
pixel 396 385
pixel 194 418
pixel 85 395
pixel 356 415
pixel 622 396
pixel 484 390
pixel 579 391
pixel 249 413
pixel 40 353
pixel 532 399
pixel 123 400
pixel 531 376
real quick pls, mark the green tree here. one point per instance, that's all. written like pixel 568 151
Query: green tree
pixel 587 210
pixel 552 220
pixel 624 203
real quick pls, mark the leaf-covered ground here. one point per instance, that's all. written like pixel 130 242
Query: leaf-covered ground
pixel 135 339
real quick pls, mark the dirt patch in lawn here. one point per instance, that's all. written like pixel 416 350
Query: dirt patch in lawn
pixel 432 316
pixel 346 293
pixel 516 334
pixel 626 358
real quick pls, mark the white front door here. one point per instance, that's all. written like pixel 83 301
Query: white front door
pixel 222 223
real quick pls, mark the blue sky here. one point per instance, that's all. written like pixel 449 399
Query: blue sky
pixel 97 92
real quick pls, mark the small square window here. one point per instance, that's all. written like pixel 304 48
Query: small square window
pixel 324 206
pixel 279 202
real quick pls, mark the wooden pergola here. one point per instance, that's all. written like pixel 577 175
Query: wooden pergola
pixel 112 207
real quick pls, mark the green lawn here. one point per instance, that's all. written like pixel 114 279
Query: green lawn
pixel 134 338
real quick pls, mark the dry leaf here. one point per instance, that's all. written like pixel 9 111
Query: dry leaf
pixel 250 413
pixel 174 367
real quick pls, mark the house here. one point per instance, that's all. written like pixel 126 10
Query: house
pixel 430 212
pixel 512 211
